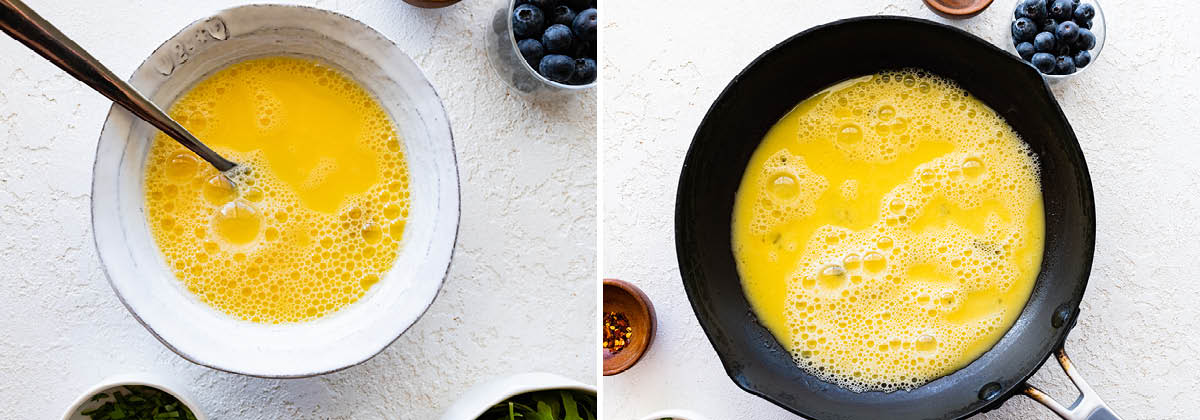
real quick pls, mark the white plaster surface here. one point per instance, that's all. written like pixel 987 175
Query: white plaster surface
pixel 1134 112
pixel 521 291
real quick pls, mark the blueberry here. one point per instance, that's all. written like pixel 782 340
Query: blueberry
pixel 1086 40
pixel 1064 65
pixel 1084 24
pixel 1044 42
pixel 1025 50
pixel 1062 49
pixel 562 15
pixel 1061 10
pixel 1082 59
pixel 557 67
pixel 585 71
pixel 1048 25
pixel 1032 9
pixel 1085 12
pixel 557 39
pixel 585 50
pixel 585 25
pixel 542 4
pixel 1023 29
pixel 532 50
pixel 581 4
pixel 527 21
pixel 1043 61
pixel 1067 32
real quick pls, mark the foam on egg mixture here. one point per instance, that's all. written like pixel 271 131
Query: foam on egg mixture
pixel 889 230
pixel 318 214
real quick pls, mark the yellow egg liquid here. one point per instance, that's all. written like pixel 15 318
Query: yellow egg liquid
pixel 889 230
pixel 317 214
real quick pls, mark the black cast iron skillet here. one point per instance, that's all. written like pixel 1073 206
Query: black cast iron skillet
pixel 802 66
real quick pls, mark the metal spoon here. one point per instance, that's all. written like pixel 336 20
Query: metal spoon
pixel 21 23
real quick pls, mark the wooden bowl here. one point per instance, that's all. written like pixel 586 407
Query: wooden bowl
pixel 625 298
pixel 431 4
pixel 958 8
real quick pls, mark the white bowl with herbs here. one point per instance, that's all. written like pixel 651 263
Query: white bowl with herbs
pixel 134 397
pixel 534 395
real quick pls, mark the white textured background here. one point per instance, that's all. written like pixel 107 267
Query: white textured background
pixel 1134 111
pixel 521 291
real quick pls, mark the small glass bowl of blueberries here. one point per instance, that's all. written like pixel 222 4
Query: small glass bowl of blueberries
pixel 544 45
pixel 1060 38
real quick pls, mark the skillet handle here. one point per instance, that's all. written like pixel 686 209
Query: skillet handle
pixel 1087 407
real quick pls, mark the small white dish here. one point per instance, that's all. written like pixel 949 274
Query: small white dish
pixel 84 402
pixel 675 414
pixel 203 335
pixel 483 396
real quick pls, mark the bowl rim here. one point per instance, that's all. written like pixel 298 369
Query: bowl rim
pixel 674 413
pixel 432 4
pixel 959 12
pixel 140 379
pixel 456 196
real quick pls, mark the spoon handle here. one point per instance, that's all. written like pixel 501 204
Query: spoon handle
pixel 21 23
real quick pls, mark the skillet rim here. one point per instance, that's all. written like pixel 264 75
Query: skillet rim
pixel 1071 147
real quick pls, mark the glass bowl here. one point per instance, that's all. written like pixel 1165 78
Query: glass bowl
pixel 506 59
pixel 1098 29
pixel 191 328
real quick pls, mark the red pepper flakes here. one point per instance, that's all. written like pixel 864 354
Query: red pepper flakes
pixel 617 332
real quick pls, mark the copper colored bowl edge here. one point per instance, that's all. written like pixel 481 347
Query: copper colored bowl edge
pixel 958 12
pixel 431 4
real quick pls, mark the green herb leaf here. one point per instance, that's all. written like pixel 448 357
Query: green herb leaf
pixel 550 405
pixel 138 403
pixel 570 410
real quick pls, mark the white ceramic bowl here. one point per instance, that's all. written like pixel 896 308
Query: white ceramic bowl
pixel 191 328
pixel 84 402
pixel 483 396
pixel 675 415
